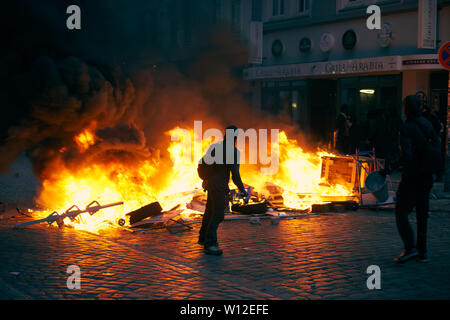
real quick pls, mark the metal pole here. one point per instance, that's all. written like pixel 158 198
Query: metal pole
pixel 447 171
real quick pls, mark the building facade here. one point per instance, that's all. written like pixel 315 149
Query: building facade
pixel 319 55
pixel 180 26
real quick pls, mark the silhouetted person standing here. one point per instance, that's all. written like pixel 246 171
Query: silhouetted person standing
pixel 416 182
pixel 343 126
pixel 216 185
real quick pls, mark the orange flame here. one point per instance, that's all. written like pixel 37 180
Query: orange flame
pixel 299 173
pixel 84 140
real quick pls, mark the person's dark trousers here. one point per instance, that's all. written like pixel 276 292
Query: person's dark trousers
pixel 213 216
pixel 413 191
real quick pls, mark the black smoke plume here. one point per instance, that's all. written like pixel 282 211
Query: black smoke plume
pixel 114 77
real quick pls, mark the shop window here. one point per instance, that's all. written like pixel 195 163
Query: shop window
pixel 365 81
pixel 367 95
pixel 349 81
pixel 299 105
pixel 285 102
pixel 349 96
pixel 295 105
pixel 388 98
pixel 374 105
pixel 283 99
pixel 270 101
pixel 368 101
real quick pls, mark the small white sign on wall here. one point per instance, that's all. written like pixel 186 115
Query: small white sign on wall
pixel 326 42
pixel 427 19
pixel 256 42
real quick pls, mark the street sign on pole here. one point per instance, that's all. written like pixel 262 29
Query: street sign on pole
pixel 447 158
pixel 444 55
pixel 444 60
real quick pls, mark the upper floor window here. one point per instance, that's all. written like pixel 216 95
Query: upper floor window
pixel 277 7
pixel 349 4
pixel 256 10
pixel 236 13
pixel 217 14
pixel 303 6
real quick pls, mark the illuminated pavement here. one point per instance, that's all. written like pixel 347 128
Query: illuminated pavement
pixel 314 257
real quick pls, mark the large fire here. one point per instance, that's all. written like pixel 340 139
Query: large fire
pixel 299 173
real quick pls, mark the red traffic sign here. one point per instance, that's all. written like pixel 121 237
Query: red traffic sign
pixel 444 55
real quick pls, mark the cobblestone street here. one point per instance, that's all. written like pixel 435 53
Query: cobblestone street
pixel 312 257
pixel 302 131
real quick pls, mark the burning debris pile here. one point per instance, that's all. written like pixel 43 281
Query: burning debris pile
pixel 301 185
pixel 96 136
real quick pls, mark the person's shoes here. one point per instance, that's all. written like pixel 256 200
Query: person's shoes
pixel 422 258
pixel 406 256
pixel 213 250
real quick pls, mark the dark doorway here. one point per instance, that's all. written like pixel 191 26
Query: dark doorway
pixel 322 110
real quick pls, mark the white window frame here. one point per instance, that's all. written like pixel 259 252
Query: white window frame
pixel 278 9
pixel 305 11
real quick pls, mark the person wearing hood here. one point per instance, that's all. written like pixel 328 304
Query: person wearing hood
pixel 217 188
pixel 416 182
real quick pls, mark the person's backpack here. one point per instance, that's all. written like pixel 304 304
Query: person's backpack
pixel 432 161
pixel 205 171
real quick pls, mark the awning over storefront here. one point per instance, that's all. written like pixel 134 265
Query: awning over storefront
pixel 345 67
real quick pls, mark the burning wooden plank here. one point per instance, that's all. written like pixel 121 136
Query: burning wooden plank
pixel 339 206
pixel 150 210
pixel 336 206
pixel 159 219
pixel 250 208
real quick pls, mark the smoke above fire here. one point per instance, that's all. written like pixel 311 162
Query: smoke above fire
pixel 106 95
pixel 66 97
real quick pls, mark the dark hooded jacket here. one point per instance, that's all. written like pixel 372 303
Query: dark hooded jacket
pixel 414 135
pixel 219 181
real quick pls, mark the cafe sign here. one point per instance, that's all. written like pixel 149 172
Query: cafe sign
pixel 341 67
